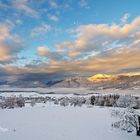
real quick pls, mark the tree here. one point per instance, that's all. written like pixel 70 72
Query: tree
pixel 129 120
pixel 126 101
pixel 138 127
pixel 20 101
pixel 33 102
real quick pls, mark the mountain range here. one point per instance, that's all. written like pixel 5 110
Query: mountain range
pixel 103 81
pixel 98 81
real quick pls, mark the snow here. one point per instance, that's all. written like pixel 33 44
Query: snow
pixel 2 129
pixel 135 92
pixel 54 122
pixel 36 94
pixel 61 92
pixel 24 94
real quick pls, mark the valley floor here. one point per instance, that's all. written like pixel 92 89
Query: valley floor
pixel 135 92
pixel 52 122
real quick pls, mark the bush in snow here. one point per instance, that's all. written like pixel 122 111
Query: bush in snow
pixel 77 101
pixel 104 100
pixel 20 101
pixel 64 101
pixel 116 100
pixel 33 102
pixel 126 101
pixel 88 101
pixel 12 102
pixel 137 102
pixel 129 120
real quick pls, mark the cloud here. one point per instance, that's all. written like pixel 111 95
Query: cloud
pixel 83 3
pixel 53 17
pixel 4 53
pixel 111 61
pixel 18 21
pixel 10 43
pixel 40 30
pixel 23 5
pixel 100 37
pixel 4 31
pixel 44 51
pixel 115 60
pixel 97 48
pixel 53 4
pixel 124 18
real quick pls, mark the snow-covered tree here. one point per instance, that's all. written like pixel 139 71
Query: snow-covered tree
pixel 20 101
pixel 33 102
pixel 64 101
pixel 129 120
pixel 126 101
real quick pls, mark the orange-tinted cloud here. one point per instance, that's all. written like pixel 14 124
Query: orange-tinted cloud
pixel 8 50
pixel 99 37
pixel 4 53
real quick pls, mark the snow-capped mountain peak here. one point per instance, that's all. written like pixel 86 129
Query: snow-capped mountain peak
pixel 99 77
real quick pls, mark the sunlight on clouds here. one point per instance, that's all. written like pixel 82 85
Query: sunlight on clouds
pixel 8 50
pixel 4 31
pixel 4 53
pixel 111 61
pixel 95 37
pixel 123 54
pixel 89 48
pixel 43 51
pixel 52 37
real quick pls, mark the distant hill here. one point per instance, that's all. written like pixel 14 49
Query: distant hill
pixel 74 82
pixel 103 81
pixel 98 81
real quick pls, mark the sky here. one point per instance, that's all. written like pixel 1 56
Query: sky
pixel 61 38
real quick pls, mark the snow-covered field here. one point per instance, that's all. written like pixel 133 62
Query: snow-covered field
pixel 36 94
pixel 54 122
pixel 135 92
pixel 51 122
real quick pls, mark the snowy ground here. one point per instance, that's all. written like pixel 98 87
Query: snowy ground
pixel 36 94
pixel 135 92
pixel 51 122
